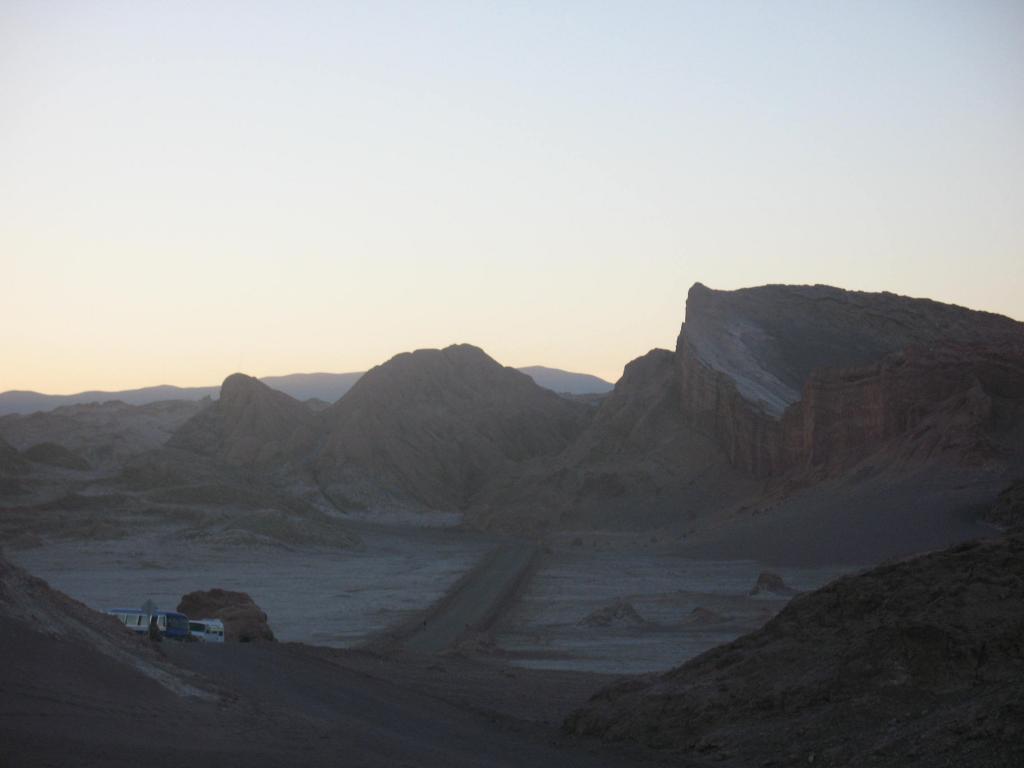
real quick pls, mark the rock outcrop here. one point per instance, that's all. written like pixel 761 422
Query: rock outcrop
pixel 772 584
pixel 619 614
pixel 915 662
pixel 244 621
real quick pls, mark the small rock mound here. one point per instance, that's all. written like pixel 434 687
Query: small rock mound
pixel 703 616
pixel 244 621
pixel 771 583
pixel 55 455
pixel 621 613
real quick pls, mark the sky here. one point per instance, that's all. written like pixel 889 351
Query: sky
pixel 190 189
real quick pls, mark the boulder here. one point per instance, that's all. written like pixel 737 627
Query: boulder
pixel 704 616
pixel 621 613
pixel 244 621
pixel 771 583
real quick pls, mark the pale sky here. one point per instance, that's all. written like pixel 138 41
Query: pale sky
pixel 189 189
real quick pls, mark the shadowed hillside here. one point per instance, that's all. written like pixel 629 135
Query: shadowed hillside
pixel 433 427
pixel 250 425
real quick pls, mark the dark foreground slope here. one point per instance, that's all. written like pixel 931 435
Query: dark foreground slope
pixel 919 662
pixel 77 689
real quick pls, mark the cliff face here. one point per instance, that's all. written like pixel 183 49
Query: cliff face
pixel 953 402
pixel 713 405
pixel 795 378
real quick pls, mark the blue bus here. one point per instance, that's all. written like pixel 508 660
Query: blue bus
pixel 172 624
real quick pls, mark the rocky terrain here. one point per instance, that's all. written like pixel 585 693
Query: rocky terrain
pixel 790 424
pixel 795 431
pixel 795 408
pixel 104 434
pixel 919 662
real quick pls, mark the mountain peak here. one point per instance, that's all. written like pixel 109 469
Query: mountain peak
pixel 430 427
pixel 240 384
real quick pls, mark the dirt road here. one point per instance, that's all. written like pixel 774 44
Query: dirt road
pixel 472 605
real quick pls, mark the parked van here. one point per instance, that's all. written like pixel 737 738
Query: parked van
pixel 172 625
pixel 207 630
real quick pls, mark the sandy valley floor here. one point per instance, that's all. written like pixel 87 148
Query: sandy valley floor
pixel 342 598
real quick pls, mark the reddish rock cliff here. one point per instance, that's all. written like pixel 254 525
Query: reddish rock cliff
pixel 791 380
pixel 918 405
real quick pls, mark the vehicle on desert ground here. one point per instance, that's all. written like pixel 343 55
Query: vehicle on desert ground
pixel 173 625
pixel 207 630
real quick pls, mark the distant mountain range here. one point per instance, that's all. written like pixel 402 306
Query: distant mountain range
pixel 328 387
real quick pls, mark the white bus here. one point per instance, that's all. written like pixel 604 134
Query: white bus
pixel 171 623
